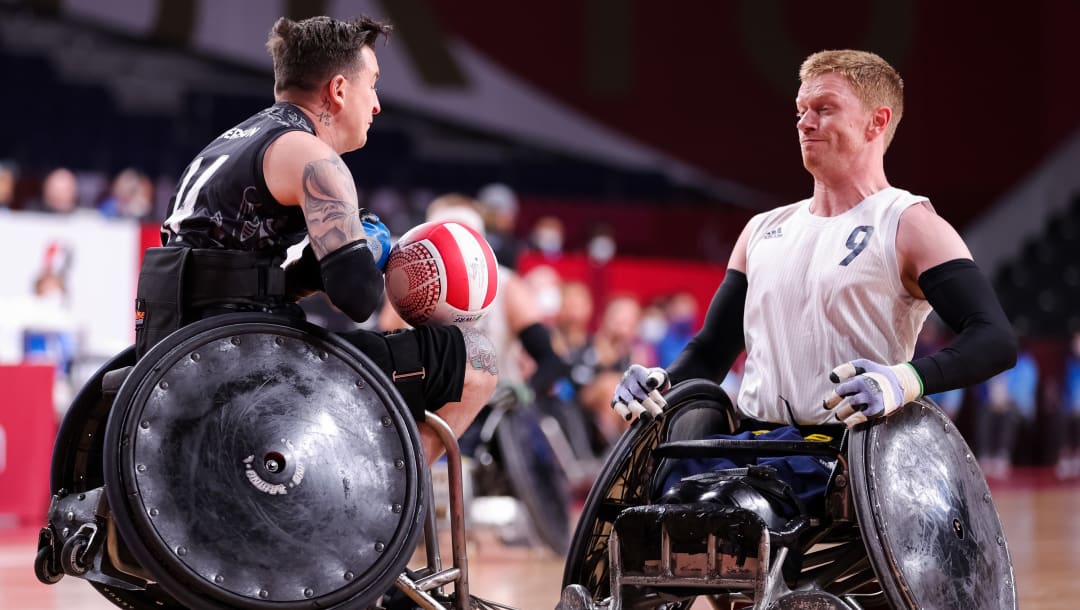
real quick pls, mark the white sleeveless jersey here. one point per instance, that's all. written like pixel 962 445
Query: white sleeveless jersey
pixel 822 291
pixel 496 326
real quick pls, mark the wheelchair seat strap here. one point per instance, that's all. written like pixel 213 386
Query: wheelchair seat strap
pixel 215 276
pixel 409 373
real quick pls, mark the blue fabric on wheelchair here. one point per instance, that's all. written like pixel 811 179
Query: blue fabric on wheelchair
pixel 807 475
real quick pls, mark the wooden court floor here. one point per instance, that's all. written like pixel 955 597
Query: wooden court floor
pixel 1041 518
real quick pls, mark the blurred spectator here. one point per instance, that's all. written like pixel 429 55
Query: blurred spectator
pixel 92 187
pixel 597 368
pixel 682 314
pixel 499 206
pixel 546 237
pixel 571 332
pixel 130 196
pixel 1009 400
pixel 546 283
pixel 8 176
pixel 59 193
pixel 654 325
pixel 1068 462
pixel 601 246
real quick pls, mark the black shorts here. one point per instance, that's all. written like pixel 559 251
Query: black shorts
pixel 439 351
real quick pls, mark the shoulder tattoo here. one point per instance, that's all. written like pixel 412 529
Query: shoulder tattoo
pixel 479 351
pixel 330 205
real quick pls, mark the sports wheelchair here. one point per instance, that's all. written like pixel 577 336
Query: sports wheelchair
pixel 907 521
pixel 249 461
pixel 518 467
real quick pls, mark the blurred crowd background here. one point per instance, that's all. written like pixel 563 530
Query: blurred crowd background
pixel 614 168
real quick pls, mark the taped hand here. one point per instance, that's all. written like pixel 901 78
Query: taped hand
pixel 867 389
pixel 639 392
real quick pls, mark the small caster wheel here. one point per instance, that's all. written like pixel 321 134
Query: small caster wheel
pixel 71 556
pixel 45 567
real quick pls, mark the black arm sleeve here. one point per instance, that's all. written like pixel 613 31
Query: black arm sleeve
pixel 984 344
pixel 303 276
pixel 351 280
pixel 714 349
pixel 536 340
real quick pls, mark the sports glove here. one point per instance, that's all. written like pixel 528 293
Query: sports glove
pixel 639 392
pixel 867 389
pixel 378 237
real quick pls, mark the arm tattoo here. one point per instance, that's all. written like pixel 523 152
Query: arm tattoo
pixel 479 351
pixel 330 205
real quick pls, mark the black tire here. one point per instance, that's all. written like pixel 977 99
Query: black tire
pixel 77 454
pixel 535 477
pixel 45 568
pixel 71 556
pixel 625 481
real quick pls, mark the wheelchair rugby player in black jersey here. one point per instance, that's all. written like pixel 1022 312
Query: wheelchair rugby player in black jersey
pixel 238 456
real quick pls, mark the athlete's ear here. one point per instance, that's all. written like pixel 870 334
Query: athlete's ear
pixel 879 121
pixel 336 91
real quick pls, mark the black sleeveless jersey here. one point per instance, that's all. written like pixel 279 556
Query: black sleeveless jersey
pixel 222 200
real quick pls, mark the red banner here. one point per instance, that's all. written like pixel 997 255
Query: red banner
pixel 27 432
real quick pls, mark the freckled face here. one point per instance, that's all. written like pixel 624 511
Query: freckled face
pixel 832 122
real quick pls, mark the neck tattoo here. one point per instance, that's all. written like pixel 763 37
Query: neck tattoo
pixel 324 115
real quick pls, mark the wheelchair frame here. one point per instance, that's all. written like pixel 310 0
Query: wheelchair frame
pixel 842 564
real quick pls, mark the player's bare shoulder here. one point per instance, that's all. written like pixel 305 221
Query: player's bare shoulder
pixel 923 240
pixel 922 229
pixel 286 160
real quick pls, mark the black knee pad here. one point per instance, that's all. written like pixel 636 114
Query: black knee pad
pixel 754 488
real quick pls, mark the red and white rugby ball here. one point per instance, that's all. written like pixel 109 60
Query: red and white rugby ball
pixel 441 272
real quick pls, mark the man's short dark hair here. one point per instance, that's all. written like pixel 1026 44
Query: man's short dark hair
pixel 307 53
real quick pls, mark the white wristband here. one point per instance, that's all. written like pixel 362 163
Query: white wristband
pixel 909 381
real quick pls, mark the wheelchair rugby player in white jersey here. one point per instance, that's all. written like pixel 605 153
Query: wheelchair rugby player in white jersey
pixel 830 440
